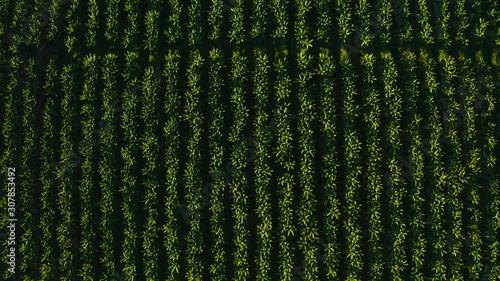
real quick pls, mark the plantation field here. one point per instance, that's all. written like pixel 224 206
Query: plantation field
pixel 250 140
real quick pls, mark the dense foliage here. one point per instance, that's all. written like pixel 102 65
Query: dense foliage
pixel 250 140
